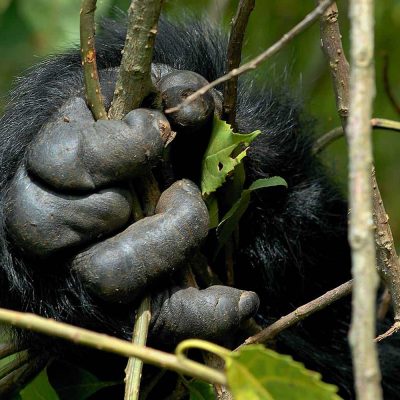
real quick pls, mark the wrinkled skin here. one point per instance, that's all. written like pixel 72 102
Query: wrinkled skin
pixel 72 196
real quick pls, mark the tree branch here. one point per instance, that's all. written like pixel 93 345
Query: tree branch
pixel 269 333
pixel 110 344
pixel 134 78
pixel 331 45
pixel 387 124
pixel 384 305
pixel 134 367
pixel 388 260
pixel 336 133
pixel 234 56
pixel 327 138
pixel 94 98
pixel 393 329
pixel 361 235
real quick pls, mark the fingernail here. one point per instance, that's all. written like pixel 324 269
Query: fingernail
pixel 248 304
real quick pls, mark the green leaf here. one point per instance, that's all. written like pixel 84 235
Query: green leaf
pixel 212 206
pixel 232 217
pixel 7 360
pixel 257 373
pixel 225 151
pixel 39 389
pixel 200 390
pixel 72 382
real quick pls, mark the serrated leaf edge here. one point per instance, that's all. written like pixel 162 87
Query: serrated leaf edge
pixel 312 375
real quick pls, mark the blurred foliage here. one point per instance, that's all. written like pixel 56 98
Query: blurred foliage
pixel 38 389
pixel 31 29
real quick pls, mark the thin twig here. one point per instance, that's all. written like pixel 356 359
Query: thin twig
pixel 299 314
pixel 94 98
pixel 387 124
pixel 393 329
pixel 384 305
pixel 252 64
pixel 134 78
pixel 147 186
pixel 150 193
pixel 331 45
pixel 110 344
pixel 377 123
pixel 137 212
pixel 388 260
pixel 214 361
pixel 234 56
pixel 361 233
pixel 135 365
pixel 327 138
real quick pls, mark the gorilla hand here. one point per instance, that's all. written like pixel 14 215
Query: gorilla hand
pixel 71 196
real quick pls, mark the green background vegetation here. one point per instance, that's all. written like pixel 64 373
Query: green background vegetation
pixel 32 29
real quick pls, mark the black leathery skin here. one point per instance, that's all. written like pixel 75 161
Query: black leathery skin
pixel 181 313
pixel 192 122
pixel 175 88
pixel 122 268
pixel 42 222
pixel 87 155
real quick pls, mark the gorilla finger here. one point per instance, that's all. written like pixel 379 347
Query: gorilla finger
pixel 208 314
pixel 86 155
pixel 121 269
pixel 42 222
pixel 175 87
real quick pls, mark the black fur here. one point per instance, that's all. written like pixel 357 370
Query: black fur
pixel 293 242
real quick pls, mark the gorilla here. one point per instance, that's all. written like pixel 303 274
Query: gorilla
pixel 72 250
